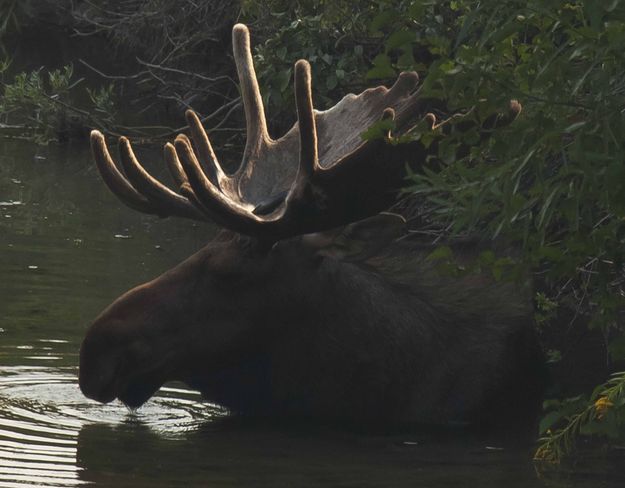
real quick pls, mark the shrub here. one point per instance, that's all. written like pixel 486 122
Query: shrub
pixel 552 183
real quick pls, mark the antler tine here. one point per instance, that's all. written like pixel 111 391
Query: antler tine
pixel 509 116
pixel 388 114
pixel 308 157
pixel 205 151
pixel 218 206
pixel 166 201
pixel 114 179
pixel 174 166
pixel 256 124
pixel 406 82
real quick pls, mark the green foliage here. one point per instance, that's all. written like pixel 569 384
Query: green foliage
pixel 103 101
pixel 379 130
pixel 546 308
pixel 164 56
pixel 44 104
pixel 502 268
pixel 332 35
pixel 601 415
pixel 30 100
pixel 553 182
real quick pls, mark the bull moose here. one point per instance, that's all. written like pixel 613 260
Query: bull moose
pixel 312 302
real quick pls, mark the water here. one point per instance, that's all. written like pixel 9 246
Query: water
pixel 67 249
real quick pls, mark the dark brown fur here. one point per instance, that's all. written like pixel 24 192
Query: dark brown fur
pixel 311 330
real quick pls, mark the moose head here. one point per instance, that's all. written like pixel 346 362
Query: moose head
pixel 302 307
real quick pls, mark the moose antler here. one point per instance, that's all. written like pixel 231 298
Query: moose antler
pixel 319 175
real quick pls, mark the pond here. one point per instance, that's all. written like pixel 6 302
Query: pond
pixel 67 249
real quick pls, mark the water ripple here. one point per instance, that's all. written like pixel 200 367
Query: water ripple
pixel 42 413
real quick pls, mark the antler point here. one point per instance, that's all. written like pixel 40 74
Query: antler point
pixel 240 37
pixel 240 28
pixel 431 118
pixel 302 63
pixel 515 106
pixel 409 75
pixel 181 138
pixel 389 113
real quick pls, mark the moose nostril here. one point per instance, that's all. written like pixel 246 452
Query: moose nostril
pixel 100 387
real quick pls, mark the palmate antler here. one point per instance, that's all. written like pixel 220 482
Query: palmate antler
pixel 319 175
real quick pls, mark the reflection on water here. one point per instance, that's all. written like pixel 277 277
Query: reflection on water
pixel 37 445
pixel 50 435
pixel 44 417
pixel 67 248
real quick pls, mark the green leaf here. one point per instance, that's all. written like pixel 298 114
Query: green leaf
pixel 281 53
pixel 575 126
pixel 400 38
pixel 440 253
pixel 379 130
pixel 546 207
pixel 487 257
pixel 381 20
pixel 549 421
pixel 382 67
pixel 466 26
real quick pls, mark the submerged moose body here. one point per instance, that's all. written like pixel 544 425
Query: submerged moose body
pixel 311 304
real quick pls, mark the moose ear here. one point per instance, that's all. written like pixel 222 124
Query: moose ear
pixel 360 240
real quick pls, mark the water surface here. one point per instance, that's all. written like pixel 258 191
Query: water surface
pixel 67 249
